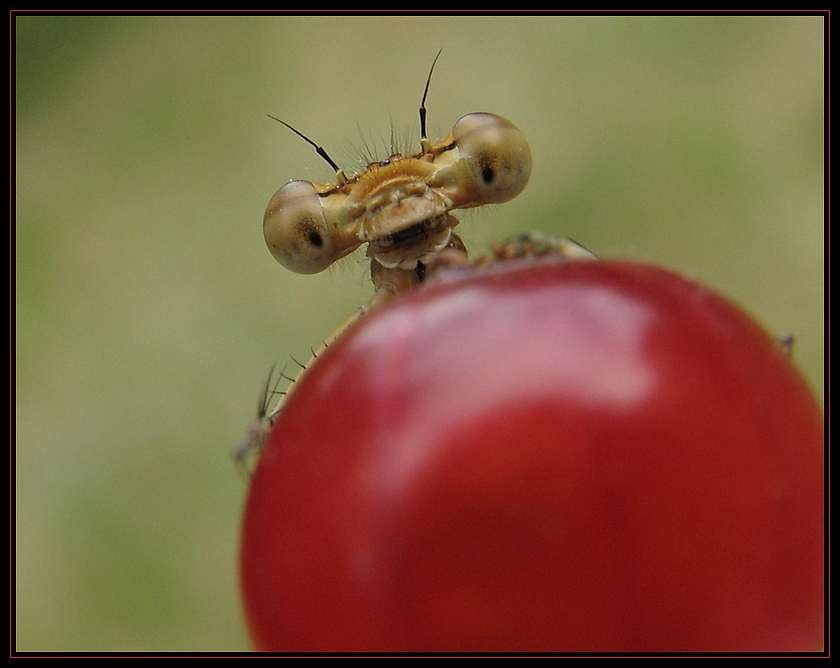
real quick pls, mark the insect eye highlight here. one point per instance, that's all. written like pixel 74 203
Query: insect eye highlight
pixel 497 155
pixel 296 230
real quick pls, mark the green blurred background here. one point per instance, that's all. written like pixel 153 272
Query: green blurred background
pixel 148 310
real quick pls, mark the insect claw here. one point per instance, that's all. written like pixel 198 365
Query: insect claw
pixel 339 173
pixel 786 344
pixel 258 431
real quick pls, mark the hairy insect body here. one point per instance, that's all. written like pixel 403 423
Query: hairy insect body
pixel 400 208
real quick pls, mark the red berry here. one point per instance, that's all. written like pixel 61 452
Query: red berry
pixel 581 456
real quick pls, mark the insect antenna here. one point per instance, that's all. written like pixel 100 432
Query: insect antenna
pixel 424 141
pixel 339 173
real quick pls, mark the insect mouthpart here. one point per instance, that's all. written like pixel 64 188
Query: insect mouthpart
pixel 397 197
pixel 420 242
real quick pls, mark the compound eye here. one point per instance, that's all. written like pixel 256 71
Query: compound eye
pixel 296 230
pixel 497 155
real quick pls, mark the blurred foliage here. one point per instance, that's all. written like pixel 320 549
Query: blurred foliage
pixel 148 311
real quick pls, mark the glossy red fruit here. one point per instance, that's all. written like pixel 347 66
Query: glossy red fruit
pixel 590 456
